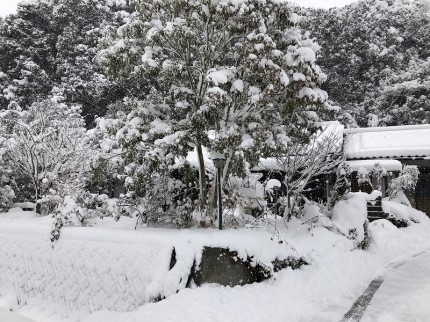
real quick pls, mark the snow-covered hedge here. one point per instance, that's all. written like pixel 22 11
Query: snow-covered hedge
pixel 86 271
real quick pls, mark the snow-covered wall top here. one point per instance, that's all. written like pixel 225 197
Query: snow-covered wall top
pixel 388 142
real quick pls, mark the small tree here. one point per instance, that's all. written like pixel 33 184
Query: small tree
pixel 343 183
pixel 406 181
pixel 304 162
pixel 48 145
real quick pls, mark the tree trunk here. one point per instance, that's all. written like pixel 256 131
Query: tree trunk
pixel 36 198
pixel 226 168
pixel 202 177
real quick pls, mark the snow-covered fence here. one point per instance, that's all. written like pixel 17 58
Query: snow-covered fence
pixel 87 270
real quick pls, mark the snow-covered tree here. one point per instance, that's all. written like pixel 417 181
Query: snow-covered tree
pixel 48 47
pixel 303 163
pixel 27 47
pixel 82 80
pixel 406 181
pixel 6 180
pixel 405 97
pixel 49 146
pixel 370 52
pixel 236 77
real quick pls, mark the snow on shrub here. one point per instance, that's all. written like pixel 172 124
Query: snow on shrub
pixel 342 185
pixel 349 216
pixel 6 195
pixel 78 210
pixel 314 216
pixel 401 213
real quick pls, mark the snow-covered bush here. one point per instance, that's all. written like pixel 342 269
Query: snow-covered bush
pixel 377 173
pixel 363 176
pixel 78 210
pixel 303 163
pixel 342 185
pixel 402 215
pixel 406 181
pixel 6 191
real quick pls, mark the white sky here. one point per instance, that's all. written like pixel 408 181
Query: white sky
pixel 9 6
pixel 326 4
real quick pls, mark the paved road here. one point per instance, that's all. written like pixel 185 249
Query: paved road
pixel 402 294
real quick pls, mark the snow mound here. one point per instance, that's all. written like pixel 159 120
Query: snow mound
pixel 260 246
pixel 349 215
pixel 403 212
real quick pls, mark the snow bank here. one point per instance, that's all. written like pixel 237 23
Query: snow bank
pixel 260 246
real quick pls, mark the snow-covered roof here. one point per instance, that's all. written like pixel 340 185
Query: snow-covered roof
pixel 400 142
pixel 389 165
pixel 331 130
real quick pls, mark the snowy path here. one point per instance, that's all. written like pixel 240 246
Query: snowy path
pixel 402 294
pixel 8 316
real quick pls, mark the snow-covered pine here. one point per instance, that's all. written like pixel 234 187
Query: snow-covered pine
pixel 236 77
pixel 26 51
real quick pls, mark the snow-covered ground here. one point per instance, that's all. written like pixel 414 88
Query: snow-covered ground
pixel 107 273
pixel 8 316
